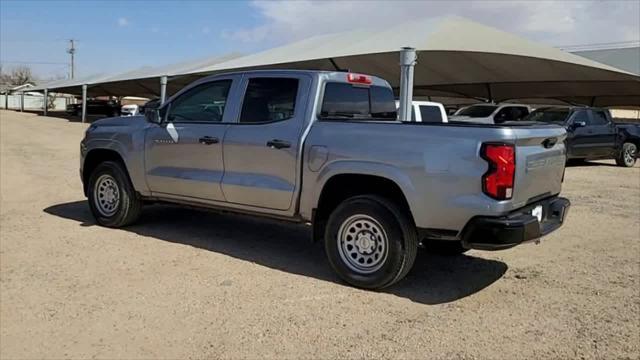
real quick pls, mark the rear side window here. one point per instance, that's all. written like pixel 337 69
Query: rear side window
pixel 269 99
pixel 348 101
pixel 430 113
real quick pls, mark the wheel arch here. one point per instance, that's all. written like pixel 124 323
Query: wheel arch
pixel 95 157
pixel 350 179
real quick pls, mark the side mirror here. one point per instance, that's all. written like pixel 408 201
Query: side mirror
pixel 578 124
pixel 152 115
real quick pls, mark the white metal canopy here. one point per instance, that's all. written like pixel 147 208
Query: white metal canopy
pixel 456 57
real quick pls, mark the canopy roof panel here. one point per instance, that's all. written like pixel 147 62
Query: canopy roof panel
pixel 456 57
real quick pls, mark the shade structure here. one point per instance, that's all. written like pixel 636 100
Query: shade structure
pixel 142 82
pixel 456 58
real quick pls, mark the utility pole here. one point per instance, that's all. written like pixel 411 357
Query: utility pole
pixel 72 50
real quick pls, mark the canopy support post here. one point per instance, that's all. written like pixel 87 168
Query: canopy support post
pixel 45 98
pixel 408 59
pixel 84 103
pixel 163 89
pixel 6 100
pixel 593 101
pixel 490 96
pixel 22 101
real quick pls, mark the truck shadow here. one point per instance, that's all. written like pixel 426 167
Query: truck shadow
pixel 287 247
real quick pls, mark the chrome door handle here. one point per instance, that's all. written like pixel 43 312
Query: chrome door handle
pixel 208 140
pixel 278 144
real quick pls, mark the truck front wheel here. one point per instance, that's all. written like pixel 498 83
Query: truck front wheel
pixel 628 154
pixel 370 242
pixel 112 199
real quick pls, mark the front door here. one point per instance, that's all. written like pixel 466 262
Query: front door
pixel 261 149
pixel 579 140
pixel 603 134
pixel 183 155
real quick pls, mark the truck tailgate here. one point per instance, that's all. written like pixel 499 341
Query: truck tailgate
pixel 540 162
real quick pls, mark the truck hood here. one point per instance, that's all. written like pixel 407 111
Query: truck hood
pixel 121 121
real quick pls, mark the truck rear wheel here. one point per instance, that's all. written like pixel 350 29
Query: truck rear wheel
pixel 112 199
pixel 628 154
pixel 370 242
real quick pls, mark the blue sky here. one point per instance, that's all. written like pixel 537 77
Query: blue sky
pixel 117 36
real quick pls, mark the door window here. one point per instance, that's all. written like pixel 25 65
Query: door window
pixel 204 103
pixel 510 113
pixel 269 99
pixel 430 113
pixel 599 118
pixel 580 116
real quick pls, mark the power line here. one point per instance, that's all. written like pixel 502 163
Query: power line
pixel 34 62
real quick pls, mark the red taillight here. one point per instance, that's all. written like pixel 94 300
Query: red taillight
pixel 497 182
pixel 358 79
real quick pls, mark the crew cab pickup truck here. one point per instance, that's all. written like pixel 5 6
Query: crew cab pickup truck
pixel 326 149
pixel 592 133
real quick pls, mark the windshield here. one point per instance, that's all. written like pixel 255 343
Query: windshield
pixel 548 115
pixel 477 111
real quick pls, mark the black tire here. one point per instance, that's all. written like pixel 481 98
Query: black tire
pixel 442 247
pixel 401 245
pixel 127 210
pixel 628 154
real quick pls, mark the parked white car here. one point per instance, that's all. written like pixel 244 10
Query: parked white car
pixel 427 111
pixel 491 113
pixel 130 110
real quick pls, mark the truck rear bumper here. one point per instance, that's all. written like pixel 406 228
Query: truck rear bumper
pixel 517 227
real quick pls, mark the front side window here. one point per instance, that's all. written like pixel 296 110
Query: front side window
pixel 430 113
pixel 580 116
pixel 599 118
pixel 342 100
pixel 204 103
pixel 269 99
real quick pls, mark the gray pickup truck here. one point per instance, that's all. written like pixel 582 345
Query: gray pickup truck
pixel 326 149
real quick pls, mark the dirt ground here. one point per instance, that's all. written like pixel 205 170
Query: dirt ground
pixel 183 283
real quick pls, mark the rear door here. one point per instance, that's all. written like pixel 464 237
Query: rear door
pixel 183 155
pixel 262 146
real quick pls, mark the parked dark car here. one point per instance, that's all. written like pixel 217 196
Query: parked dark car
pixel 592 134
pixel 96 107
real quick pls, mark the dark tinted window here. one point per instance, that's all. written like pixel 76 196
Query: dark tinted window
pixel 478 111
pixel 510 113
pixel 204 103
pixel 348 101
pixel 383 104
pixel 554 115
pixel 269 99
pixel 430 113
pixel 599 118
pixel 580 116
